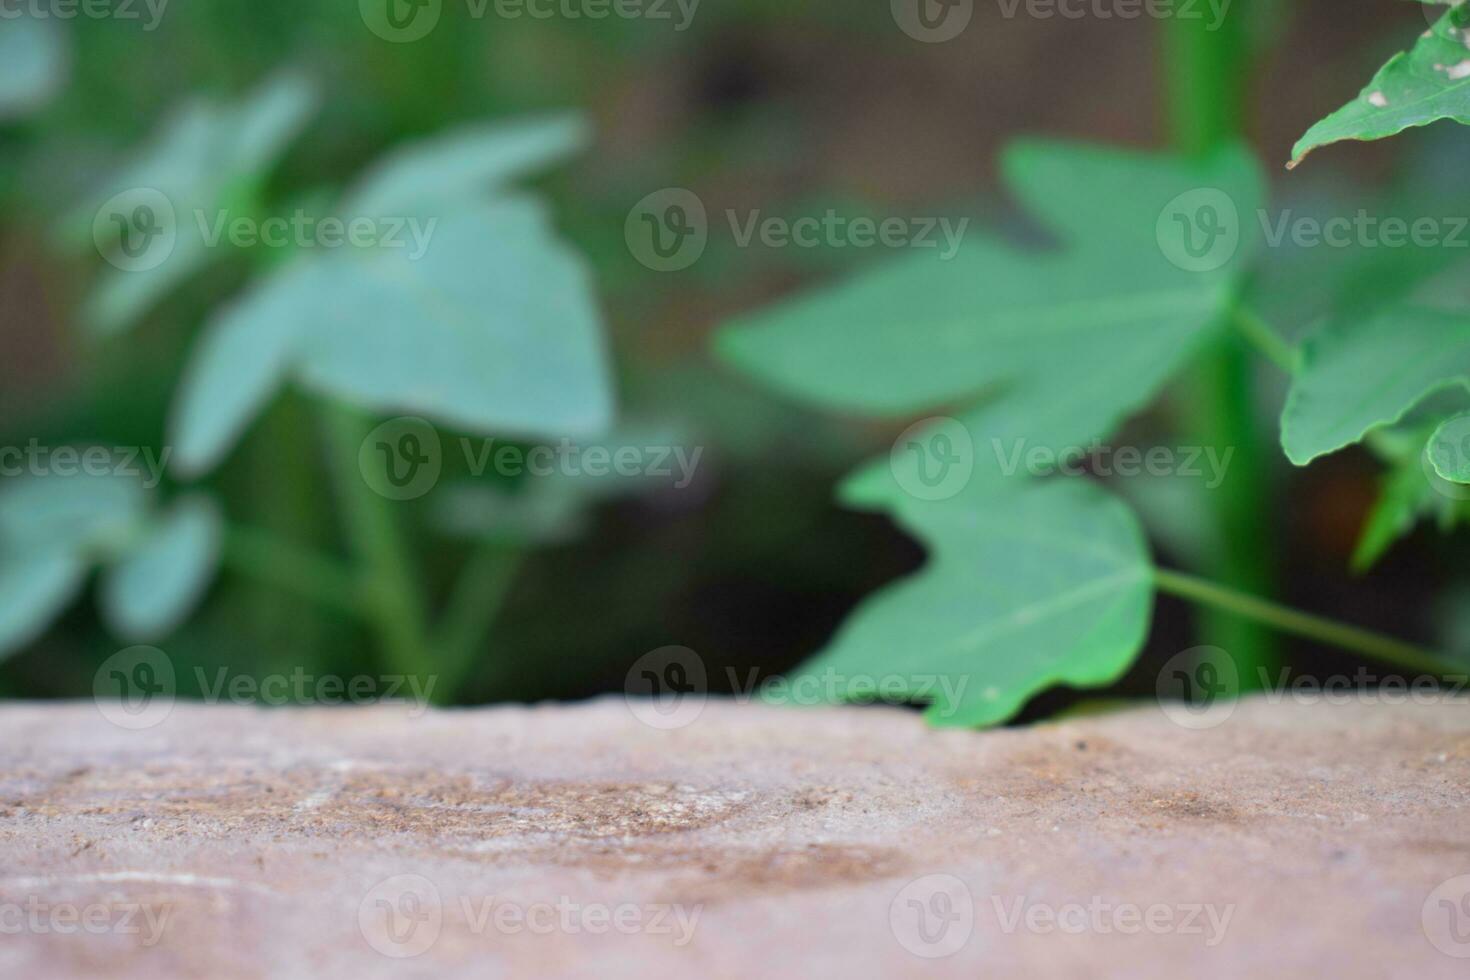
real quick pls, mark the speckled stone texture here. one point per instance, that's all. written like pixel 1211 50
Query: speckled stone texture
pixel 1291 840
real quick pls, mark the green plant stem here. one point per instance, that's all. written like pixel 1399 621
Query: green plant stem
pixel 1206 67
pixel 1370 644
pixel 478 596
pixel 395 607
pixel 277 561
pixel 1265 339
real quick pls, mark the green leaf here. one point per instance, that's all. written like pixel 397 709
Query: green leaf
pixel 80 513
pixel 1361 372
pixel 1403 498
pixel 1049 586
pixel 33 64
pixel 1057 346
pixel 242 359
pixel 53 529
pixel 34 589
pixel 1448 450
pixel 199 160
pixel 464 163
pixel 1428 83
pixel 493 329
pixel 152 589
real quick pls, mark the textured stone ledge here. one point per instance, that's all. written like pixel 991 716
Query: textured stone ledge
pixel 756 841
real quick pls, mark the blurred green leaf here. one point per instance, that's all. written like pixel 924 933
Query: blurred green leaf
pixel 242 358
pixel 1066 343
pixel 463 164
pixel 83 513
pixel 1428 83
pixel 34 589
pixel 198 163
pixel 1448 450
pixel 493 329
pixel 55 528
pixel 1362 371
pixel 1404 497
pixel 1049 586
pixel 153 588
pixel 33 64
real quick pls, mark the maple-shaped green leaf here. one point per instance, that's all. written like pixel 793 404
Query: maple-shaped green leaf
pixel 1052 585
pixel 1360 372
pixel 1053 347
pixel 151 218
pixel 1428 83
pixel 1047 582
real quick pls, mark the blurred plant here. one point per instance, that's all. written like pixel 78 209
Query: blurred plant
pixel 1041 581
pixel 491 327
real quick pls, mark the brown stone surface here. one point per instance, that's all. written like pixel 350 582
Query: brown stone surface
pixel 754 842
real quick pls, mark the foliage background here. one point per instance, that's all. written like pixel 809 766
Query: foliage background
pixel 784 107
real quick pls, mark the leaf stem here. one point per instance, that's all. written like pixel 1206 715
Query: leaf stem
pixel 1265 338
pixel 478 596
pixel 1297 623
pixel 272 559
pixel 394 605
pixel 1209 72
